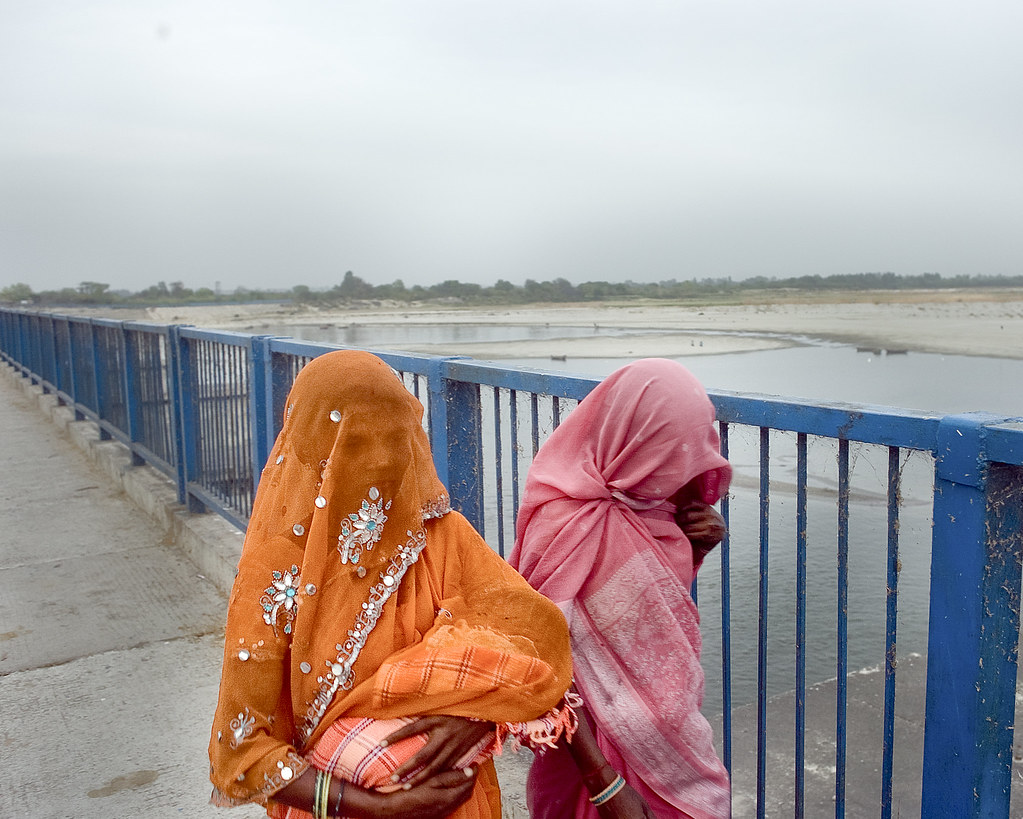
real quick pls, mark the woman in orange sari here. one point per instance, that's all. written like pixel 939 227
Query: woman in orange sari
pixel 377 650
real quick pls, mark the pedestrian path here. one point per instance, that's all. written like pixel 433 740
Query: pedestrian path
pixel 110 640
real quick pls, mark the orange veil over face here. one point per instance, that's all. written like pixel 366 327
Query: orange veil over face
pixel 361 594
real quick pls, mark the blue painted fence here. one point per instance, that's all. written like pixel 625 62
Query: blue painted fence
pixel 204 407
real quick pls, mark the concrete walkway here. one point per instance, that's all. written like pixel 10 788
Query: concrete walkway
pixel 110 639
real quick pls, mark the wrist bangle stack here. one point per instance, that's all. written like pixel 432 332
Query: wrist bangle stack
pixel 321 795
pixel 609 792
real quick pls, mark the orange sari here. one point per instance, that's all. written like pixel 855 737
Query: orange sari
pixel 361 594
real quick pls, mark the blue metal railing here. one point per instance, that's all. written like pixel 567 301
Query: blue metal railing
pixel 204 408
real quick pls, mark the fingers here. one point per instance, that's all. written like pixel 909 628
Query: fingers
pixel 419 726
pixel 432 758
pixel 460 777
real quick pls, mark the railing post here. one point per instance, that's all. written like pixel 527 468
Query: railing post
pixel 132 410
pixel 974 626
pixel 97 380
pixel 25 346
pixel 186 432
pixel 74 353
pixel 456 439
pixel 60 388
pixel 260 404
pixel 281 378
pixel 45 356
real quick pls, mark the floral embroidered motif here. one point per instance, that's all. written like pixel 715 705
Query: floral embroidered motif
pixel 361 529
pixel 241 727
pixel 281 597
pixel 339 673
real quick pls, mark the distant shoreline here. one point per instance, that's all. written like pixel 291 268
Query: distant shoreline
pixel 966 322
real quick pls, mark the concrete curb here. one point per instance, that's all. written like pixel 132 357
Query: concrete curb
pixel 209 541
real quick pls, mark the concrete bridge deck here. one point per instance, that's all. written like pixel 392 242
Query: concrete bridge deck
pixel 111 628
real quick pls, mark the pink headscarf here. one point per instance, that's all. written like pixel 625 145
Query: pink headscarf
pixel 596 534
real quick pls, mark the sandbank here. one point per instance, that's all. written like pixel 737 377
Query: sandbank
pixel 966 322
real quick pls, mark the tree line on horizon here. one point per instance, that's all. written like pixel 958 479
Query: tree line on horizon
pixel 352 288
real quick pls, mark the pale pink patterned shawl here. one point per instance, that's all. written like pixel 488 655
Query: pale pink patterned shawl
pixel 596 535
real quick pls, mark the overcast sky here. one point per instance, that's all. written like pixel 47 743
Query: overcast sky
pixel 267 144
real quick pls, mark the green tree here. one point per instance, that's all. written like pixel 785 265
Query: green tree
pixel 93 291
pixel 18 292
pixel 352 287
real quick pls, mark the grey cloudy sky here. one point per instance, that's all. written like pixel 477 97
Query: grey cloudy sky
pixel 267 144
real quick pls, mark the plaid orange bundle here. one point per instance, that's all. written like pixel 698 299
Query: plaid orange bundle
pixel 350 749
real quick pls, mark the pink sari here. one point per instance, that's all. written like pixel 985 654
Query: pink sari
pixel 596 535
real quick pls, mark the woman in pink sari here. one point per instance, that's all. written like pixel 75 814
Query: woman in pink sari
pixel 614 523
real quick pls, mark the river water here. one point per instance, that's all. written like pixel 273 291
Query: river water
pixel 813 370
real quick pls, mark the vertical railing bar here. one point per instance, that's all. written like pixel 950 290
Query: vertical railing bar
pixel 220 407
pixel 206 393
pixel 184 356
pixel 202 420
pixel 238 370
pixel 134 393
pixel 726 620
pixel 103 434
pixel 801 524
pixel 156 426
pixel 236 355
pixel 152 429
pixel 74 341
pixel 891 627
pixel 163 384
pixel 245 477
pixel 534 411
pixel 555 412
pixel 228 361
pixel 513 422
pixel 499 465
pixel 842 692
pixel 765 499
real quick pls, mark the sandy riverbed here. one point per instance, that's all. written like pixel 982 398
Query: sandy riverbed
pixel 973 322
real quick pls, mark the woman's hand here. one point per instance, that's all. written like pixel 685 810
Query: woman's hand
pixel 438 796
pixel 450 738
pixel 703 525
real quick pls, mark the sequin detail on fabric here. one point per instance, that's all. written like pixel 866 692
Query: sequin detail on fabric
pixel 436 508
pixel 241 727
pixel 339 671
pixel 362 529
pixel 286 771
pixel 281 598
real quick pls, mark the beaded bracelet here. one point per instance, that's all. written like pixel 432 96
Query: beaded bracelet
pixel 609 792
